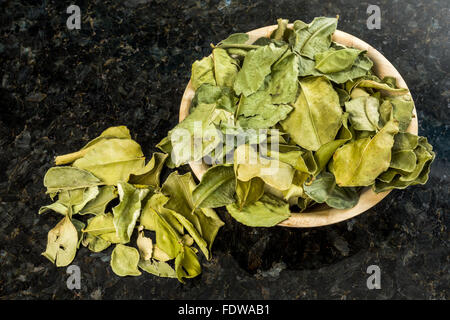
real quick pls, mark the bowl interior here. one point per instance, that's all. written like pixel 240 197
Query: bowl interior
pixel 322 215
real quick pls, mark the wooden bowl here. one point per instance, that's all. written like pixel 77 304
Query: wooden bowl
pixel 323 215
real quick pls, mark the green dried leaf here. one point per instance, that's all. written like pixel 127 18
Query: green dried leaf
pixel 366 83
pixel 95 244
pixel 248 192
pixel 405 141
pixel 62 243
pixel 203 72
pixel 98 205
pixel 101 224
pixel 89 194
pixel 67 178
pixel 402 108
pixel 70 202
pixel 309 40
pixel 283 85
pixel 361 67
pixel 363 113
pixel 333 60
pixel 182 136
pixel 385 111
pixel 317 115
pixel 404 160
pixel 400 179
pixel 255 68
pixel 266 212
pixel 79 225
pixel 279 33
pixel 248 164
pixel 187 265
pixel 56 206
pixel 224 97
pixel 112 160
pixel 225 68
pixel 179 190
pixel 167 239
pixel 299 159
pixel 358 92
pixel 326 151
pixel 257 111
pixel 158 268
pixel 128 210
pixel 149 175
pixel 196 236
pixel 120 132
pixel 295 191
pixel 156 204
pixel 324 189
pixel 216 188
pixel 124 261
pixel 235 38
pixel 359 162
pixel 160 255
pixel 343 96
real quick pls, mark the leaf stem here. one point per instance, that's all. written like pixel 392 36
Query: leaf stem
pixel 236 45
pixel 70 157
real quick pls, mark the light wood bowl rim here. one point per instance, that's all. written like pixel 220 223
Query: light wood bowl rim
pixel 368 198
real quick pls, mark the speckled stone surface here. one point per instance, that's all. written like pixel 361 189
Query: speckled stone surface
pixel 129 65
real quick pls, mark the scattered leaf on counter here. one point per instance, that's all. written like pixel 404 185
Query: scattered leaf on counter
pixel 124 261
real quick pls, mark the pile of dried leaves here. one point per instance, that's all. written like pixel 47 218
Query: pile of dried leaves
pixel 337 127
pixel 113 166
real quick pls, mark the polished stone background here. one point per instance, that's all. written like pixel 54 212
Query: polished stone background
pixel 129 65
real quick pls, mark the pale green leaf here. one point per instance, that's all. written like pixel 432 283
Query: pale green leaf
pixel 95 244
pixel 256 67
pixel 366 83
pixel 98 205
pixel 363 113
pixel 186 264
pixel 62 243
pixel 149 175
pixel 112 160
pixel 203 72
pixel 283 85
pixel 333 60
pixel 326 151
pixel 235 38
pixel 216 189
pixel 157 268
pixel 156 204
pixel 67 178
pixel 314 38
pixel 249 164
pixel 317 115
pixel 324 189
pixel 225 68
pixel 266 212
pixel 124 261
pixel 128 210
pixel 257 111
pixel 248 192
pixel 100 224
pixel 359 162
pixel 402 108
pixel 179 190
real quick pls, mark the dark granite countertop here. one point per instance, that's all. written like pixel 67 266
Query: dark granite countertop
pixel 129 65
